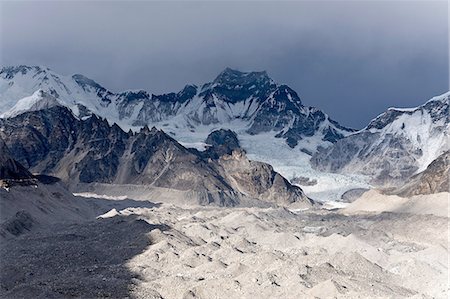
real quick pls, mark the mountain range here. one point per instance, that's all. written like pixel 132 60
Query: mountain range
pixel 76 129
pixel 53 141
pixel 251 100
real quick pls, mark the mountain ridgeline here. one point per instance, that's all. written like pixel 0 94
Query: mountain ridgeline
pixel 251 99
pixel 55 142
pixel 394 146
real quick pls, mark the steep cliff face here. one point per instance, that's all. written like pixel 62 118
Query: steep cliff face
pixel 252 178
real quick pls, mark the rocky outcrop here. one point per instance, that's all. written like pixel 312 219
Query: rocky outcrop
pixel 434 179
pixel 259 180
pixel 10 169
pixel 221 142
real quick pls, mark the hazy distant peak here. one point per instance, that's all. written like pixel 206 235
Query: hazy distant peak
pixel 9 72
pixel 237 77
pixel 84 81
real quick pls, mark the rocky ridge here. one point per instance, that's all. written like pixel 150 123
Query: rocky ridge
pixel 53 141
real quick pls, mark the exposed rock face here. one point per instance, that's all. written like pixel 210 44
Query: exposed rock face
pixel 221 142
pixel 249 97
pixel 53 141
pixel 252 178
pixel 10 168
pixel 394 146
pixel 434 179
pixel 156 108
pixel 259 180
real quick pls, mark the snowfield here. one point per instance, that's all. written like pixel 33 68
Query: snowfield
pixel 420 127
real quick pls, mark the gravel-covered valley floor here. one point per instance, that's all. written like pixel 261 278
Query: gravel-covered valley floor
pixel 167 251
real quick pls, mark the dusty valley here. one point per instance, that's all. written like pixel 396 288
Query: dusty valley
pixel 376 247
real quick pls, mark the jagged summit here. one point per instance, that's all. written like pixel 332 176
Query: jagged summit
pixel 230 75
pixel 188 92
pixel 134 95
pixel 234 86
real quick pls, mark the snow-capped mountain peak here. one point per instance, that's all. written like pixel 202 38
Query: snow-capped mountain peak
pixel 251 99
pixel 234 86
pixel 235 77
pixel 37 101
pixel 10 72
pixel 395 145
pixel 436 108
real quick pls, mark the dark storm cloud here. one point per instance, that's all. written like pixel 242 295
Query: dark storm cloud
pixel 352 59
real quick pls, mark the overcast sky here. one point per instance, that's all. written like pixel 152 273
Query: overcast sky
pixel 351 59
